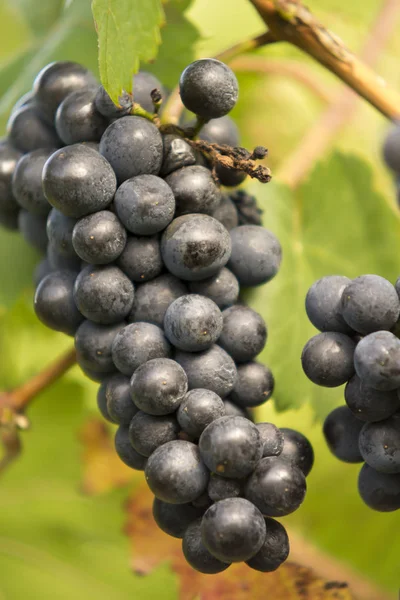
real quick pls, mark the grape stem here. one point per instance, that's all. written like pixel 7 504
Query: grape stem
pixel 290 21
pixel 14 402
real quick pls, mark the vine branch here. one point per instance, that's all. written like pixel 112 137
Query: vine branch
pixel 18 399
pixel 342 105
pixel 290 21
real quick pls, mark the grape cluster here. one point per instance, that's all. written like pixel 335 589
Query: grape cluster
pixel 144 260
pixel 359 345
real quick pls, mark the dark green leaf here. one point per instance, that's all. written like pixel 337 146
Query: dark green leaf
pixel 128 32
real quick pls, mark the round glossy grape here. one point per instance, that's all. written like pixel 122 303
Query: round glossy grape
pixel 154 297
pixel 380 445
pixel 212 369
pixel 328 359
pixel 244 333
pixel 54 304
pixel 379 491
pixel 198 409
pixel 222 288
pixel 323 304
pixel 275 549
pixel 341 431
pixel 99 238
pixel 159 386
pixel 137 344
pixel 196 554
pixel 124 449
pixel 93 344
pixel 254 385
pixel 174 519
pixel 377 360
pixel 147 432
pixel 195 190
pixel 297 449
pixel 369 404
pixel 272 439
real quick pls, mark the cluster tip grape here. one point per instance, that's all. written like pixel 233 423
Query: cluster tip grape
pixel 144 257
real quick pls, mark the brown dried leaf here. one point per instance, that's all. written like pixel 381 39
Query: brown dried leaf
pixel 102 468
pixel 150 547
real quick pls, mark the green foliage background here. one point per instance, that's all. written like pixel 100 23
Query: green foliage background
pixel 54 541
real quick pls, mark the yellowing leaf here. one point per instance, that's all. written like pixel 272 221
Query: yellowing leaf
pixel 128 32
pixel 103 469
pixel 150 547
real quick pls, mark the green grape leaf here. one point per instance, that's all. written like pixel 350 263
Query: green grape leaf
pixel 128 32
pixel 179 37
pixel 336 223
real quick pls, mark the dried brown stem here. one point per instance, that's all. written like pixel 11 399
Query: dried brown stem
pixel 290 21
pixel 298 164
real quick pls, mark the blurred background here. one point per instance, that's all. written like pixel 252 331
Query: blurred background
pixel 332 203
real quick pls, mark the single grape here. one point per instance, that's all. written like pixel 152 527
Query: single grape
pixel 54 304
pixel 102 400
pixel 99 238
pixel 159 386
pixel 145 204
pixel 93 344
pixel 78 181
pixel 174 519
pixel 78 120
pixel 391 149
pixel 244 333
pixel 195 247
pixel 42 269
pixel 297 449
pixel 327 359
pixel 177 154
pixel 103 294
pixel 194 189
pixel 277 487
pixel 96 376
pixel 60 261
pixel 256 255
pixel 108 109
pixel 27 182
pixel 212 369
pixel 59 232
pixel 370 303
pixel 119 405
pixel 226 213
pixel 143 84
pixel 9 158
pixel 124 449
pixel 33 229
pixel 220 488
pixel 27 132
pixel 175 472
pixel 369 404
pixel 133 146
pixel 379 491
pixel 55 82
pixel 380 445
pixel 272 439
pixel 254 386
pixel 223 131
pixel 198 409
pixel 323 304
pixel 137 344
pixel 222 288
pixel 208 88
pixel 377 360
pixel 233 530
pixel 341 431
pixel 147 432
pixel 233 410
pixel 154 297
pixel 193 323
pixel 196 554
pixel 275 549
pixel 141 259
pixel 231 447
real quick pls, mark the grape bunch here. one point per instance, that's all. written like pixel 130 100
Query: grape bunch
pixel 359 345
pixel 144 258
